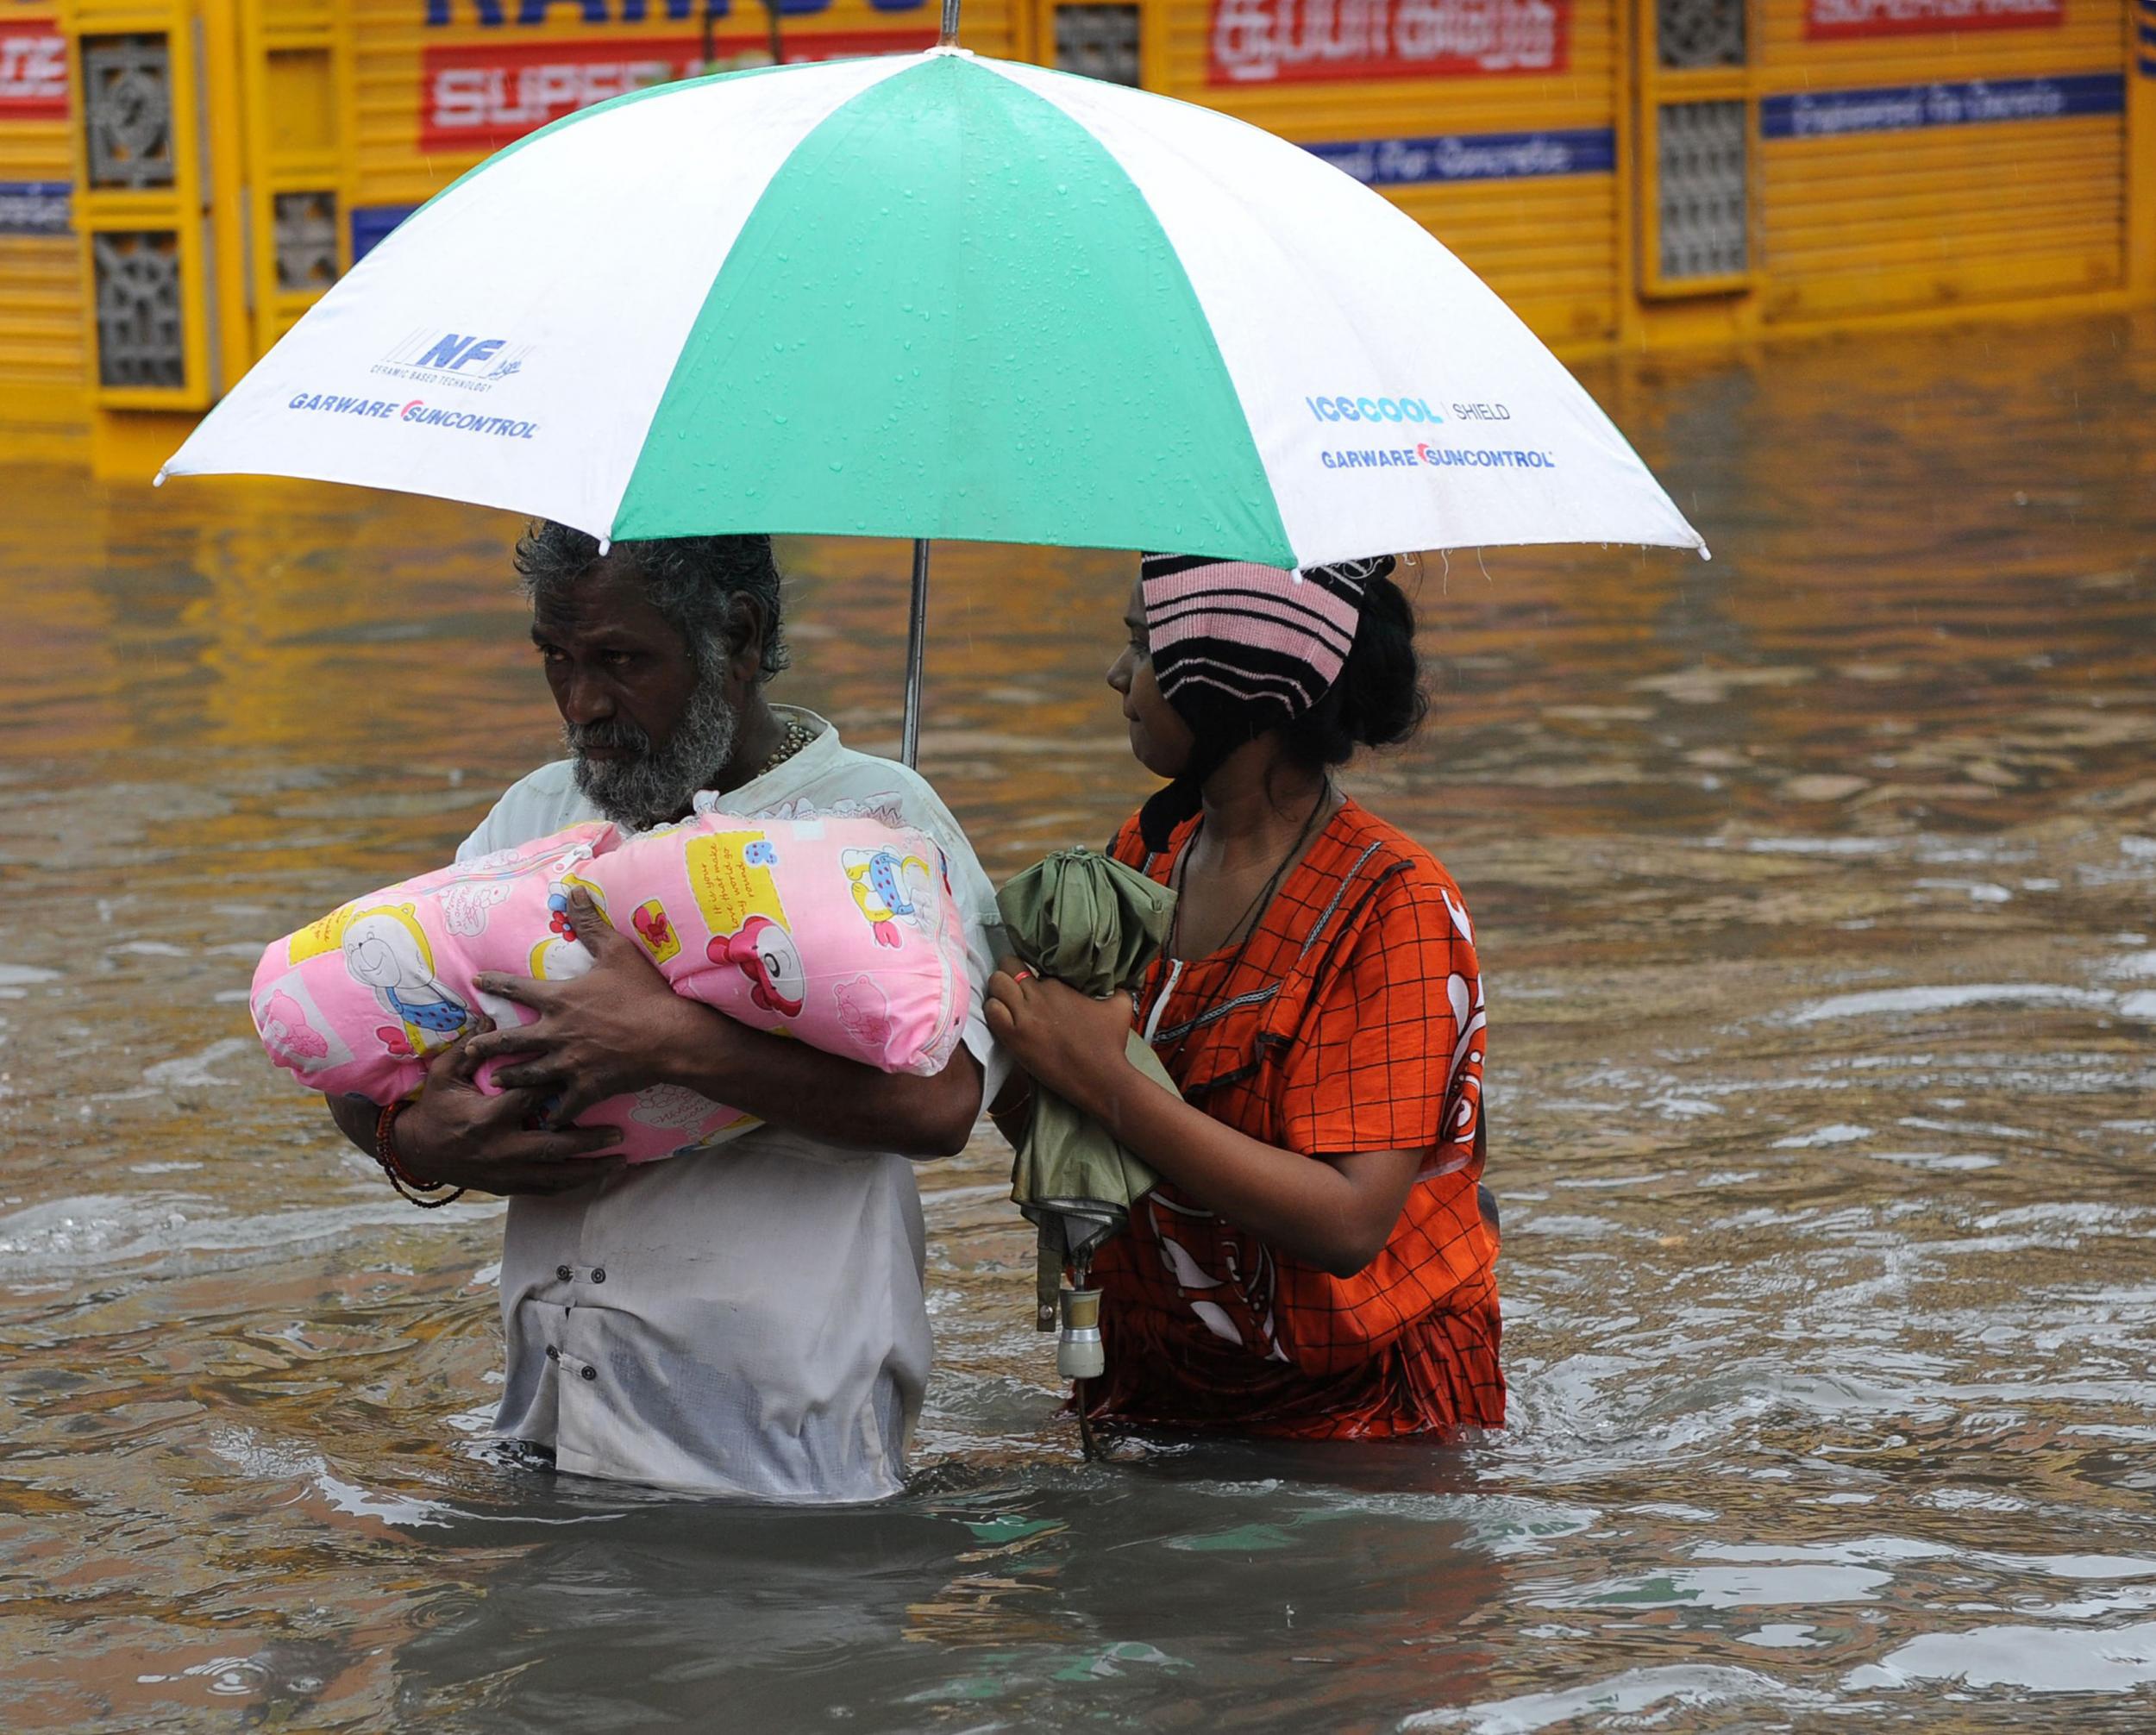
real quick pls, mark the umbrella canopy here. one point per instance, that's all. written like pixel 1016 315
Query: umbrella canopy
pixel 939 295
pixel 1089 920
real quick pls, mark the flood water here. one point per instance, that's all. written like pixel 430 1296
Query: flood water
pixel 1816 893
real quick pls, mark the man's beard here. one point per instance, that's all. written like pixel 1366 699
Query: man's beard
pixel 657 784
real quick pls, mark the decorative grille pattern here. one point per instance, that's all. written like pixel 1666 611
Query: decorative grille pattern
pixel 1701 161
pixel 127 111
pixel 1100 41
pixel 1700 33
pixel 306 239
pixel 139 335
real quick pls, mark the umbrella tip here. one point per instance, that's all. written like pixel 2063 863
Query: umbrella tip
pixel 1706 553
pixel 158 480
pixel 604 544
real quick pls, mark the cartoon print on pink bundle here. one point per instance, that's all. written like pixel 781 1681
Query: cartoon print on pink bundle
pixel 682 1113
pixel 863 1011
pixel 891 887
pixel 649 921
pixel 760 919
pixel 386 949
pixel 286 1031
pixel 466 904
pixel 765 953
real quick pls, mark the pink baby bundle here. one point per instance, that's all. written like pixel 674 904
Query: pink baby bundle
pixel 842 932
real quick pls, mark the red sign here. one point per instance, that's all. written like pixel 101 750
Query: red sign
pixel 33 73
pixel 1828 20
pixel 482 96
pixel 1283 42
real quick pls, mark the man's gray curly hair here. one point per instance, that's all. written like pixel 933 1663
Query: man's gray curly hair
pixel 689 580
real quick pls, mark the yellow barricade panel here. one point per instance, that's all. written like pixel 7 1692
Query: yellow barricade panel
pixel 43 318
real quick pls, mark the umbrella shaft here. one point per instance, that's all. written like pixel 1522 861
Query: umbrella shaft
pixel 949 37
pixel 917 628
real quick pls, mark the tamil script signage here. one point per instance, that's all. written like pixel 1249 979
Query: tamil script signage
pixel 1903 107
pixel 33 73
pixel 479 96
pixel 1826 21
pixel 1285 41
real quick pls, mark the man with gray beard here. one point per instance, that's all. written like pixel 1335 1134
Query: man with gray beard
pixel 748 1319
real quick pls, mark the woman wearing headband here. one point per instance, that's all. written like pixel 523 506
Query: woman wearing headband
pixel 1315 1263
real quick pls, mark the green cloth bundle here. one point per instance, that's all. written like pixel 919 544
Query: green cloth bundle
pixel 1087 920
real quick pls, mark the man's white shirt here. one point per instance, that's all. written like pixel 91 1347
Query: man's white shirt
pixel 748 1319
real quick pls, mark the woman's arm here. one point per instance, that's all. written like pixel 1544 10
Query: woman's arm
pixel 1012 1112
pixel 1334 1212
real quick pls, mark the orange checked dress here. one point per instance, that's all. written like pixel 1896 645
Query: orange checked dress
pixel 1350 1020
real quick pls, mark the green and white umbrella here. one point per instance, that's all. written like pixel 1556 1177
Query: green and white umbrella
pixel 935 296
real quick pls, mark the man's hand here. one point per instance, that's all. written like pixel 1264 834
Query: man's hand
pixel 620 1028
pixel 612 1031
pixel 1070 1041
pixel 458 1135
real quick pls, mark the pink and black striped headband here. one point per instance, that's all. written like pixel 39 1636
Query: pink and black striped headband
pixel 1258 647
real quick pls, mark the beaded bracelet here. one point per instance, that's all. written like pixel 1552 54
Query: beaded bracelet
pixel 400 1177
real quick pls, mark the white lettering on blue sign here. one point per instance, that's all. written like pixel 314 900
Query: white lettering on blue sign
pixel 1473 156
pixel 1976 102
pixel 35 207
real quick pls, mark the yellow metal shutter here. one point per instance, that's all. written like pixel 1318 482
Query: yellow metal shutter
pixel 1932 168
pixel 1514 168
pixel 43 359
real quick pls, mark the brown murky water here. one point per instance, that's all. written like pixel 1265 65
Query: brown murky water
pixel 1817 894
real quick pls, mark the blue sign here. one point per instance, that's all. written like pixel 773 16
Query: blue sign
pixel 535 12
pixel 1978 101
pixel 35 207
pixel 1473 157
pixel 371 225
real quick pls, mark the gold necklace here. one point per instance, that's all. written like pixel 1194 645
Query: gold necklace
pixel 798 735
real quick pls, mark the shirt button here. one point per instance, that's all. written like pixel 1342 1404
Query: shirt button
pixel 563 1273
pixel 553 1354
pixel 591 1373
pixel 599 1274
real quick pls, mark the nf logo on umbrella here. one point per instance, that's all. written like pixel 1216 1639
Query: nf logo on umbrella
pixel 469 361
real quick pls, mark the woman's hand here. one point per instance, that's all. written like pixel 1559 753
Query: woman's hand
pixel 613 1031
pixel 1068 1042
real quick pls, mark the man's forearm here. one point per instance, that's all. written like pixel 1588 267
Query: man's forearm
pixel 355 1120
pixel 789 1084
